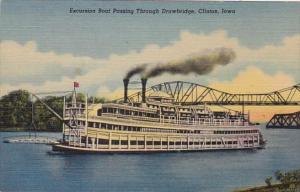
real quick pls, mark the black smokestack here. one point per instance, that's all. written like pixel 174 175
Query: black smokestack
pixel 135 70
pixel 126 82
pixel 144 84
pixel 199 64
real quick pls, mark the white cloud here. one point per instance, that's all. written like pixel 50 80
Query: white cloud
pixel 254 80
pixel 25 63
pixel 21 66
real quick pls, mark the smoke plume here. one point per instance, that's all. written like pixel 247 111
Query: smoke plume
pixel 136 70
pixel 199 64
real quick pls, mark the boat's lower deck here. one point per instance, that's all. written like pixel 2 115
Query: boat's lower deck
pixel 73 149
pixel 118 141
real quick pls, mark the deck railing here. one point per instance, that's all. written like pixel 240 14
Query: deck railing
pixel 206 122
pixel 166 124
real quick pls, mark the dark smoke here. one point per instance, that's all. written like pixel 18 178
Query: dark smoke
pixel 136 70
pixel 199 64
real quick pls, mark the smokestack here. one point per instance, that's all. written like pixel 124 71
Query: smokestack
pixel 126 82
pixel 144 83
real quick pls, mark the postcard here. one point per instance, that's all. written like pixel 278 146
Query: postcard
pixel 149 96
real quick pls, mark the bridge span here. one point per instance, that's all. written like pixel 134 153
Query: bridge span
pixel 186 93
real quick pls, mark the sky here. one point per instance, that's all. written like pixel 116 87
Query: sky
pixel 44 47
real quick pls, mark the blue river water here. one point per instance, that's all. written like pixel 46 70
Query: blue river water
pixel 32 167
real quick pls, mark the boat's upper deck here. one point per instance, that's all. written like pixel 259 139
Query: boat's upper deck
pixel 157 112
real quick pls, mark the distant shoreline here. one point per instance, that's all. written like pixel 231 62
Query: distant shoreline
pixel 291 186
pixel 24 129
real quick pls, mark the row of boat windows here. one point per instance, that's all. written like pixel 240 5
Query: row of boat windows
pixel 235 132
pixel 138 129
pixel 126 112
pixel 141 142
pixel 174 110
pixel 142 129
pixel 140 113
pixel 216 115
pixel 167 108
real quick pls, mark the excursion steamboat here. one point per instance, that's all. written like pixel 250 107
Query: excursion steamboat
pixel 155 124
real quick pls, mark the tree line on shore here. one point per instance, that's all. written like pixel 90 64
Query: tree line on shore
pixel 19 111
pixel 285 178
pixel 283 182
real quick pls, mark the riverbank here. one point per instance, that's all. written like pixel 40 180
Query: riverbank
pixel 14 129
pixel 279 187
pixel 26 129
pixel 288 181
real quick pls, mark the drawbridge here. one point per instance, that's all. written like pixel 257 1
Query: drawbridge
pixel 186 93
pixel 289 120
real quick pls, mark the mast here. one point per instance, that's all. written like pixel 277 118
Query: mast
pixel 32 114
pixel 74 110
pixel 64 108
pixel 86 113
pixel 74 95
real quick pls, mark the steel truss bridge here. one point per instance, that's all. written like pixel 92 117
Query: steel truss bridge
pixel 290 120
pixel 186 93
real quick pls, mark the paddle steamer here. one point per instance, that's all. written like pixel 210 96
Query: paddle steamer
pixel 156 124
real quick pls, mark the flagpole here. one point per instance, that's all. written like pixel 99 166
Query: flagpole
pixel 74 96
pixel 75 85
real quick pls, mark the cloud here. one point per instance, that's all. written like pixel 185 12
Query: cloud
pixel 287 53
pixel 25 66
pixel 111 94
pixel 25 63
pixel 49 86
pixel 254 80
